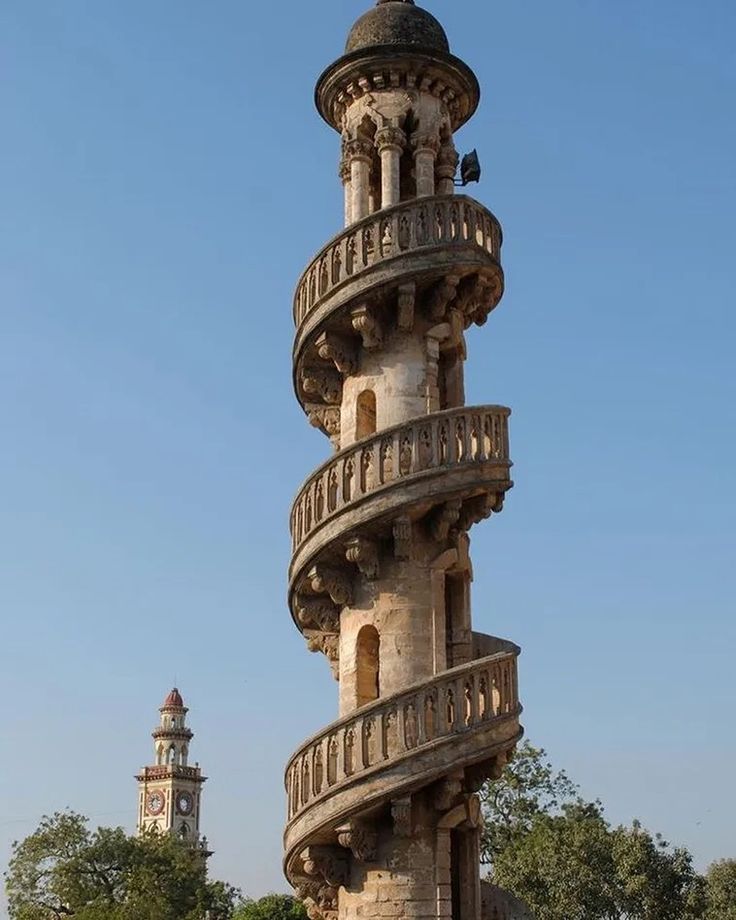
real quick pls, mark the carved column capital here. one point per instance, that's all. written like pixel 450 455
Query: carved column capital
pixel 338 349
pixel 358 148
pixel 366 324
pixel 425 142
pixel 363 553
pixel 448 160
pixel 390 137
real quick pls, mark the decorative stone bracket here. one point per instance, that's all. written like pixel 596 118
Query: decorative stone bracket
pixel 326 580
pixel 367 325
pixel 338 349
pixel 360 839
pixel 327 419
pixel 363 553
pixel 323 382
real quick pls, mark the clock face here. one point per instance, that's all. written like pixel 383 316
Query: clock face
pixel 184 803
pixel 155 803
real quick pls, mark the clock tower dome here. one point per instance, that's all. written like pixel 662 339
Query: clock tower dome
pixel 169 792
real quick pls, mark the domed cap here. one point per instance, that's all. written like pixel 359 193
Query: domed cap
pixel 173 700
pixel 397 22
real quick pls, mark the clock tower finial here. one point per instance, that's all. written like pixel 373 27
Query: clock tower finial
pixel 169 791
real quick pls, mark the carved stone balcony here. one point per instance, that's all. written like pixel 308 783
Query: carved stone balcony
pixel 418 241
pixel 399 744
pixel 460 454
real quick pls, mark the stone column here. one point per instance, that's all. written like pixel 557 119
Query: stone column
pixel 447 163
pixel 391 142
pixel 360 156
pixel 345 175
pixel 425 154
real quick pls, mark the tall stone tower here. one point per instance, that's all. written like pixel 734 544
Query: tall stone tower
pixel 383 815
pixel 170 791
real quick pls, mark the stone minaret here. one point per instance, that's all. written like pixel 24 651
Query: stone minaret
pixel 383 816
pixel 169 793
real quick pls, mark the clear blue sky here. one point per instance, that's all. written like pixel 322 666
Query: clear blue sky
pixel 163 179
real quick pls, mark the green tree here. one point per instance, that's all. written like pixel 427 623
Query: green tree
pixel 560 855
pixel 65 870
pixel 272 907
pixel 721 891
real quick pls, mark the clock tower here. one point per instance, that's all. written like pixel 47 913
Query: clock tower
pixel 169 792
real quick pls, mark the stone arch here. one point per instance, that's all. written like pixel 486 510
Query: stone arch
pixel 365 414
pixel 368 666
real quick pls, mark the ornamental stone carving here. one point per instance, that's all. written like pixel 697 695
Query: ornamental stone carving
pixel 327 419
pixel 338 349
pixel 361 839
pixel 318 614
pixel 406 301
pixel 401 815
pixel 328 645
pixel 402 532
pixel 334 582
pixel 364 553
pixel 382 819
pixel 367 326
pixel 445 518
pixel 324 383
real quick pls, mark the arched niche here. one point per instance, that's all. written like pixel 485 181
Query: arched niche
pixel 365 415
pixel 368 666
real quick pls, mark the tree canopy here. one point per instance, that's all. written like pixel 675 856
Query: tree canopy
pixel 272 907
pixel 561 856
pixel 65 870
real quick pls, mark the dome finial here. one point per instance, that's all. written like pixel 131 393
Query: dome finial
pixel 379 2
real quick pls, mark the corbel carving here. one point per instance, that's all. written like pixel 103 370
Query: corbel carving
pixel 441 296
pixel 319 900
pixel 477 775
pixel 327 419
pixel 363 553
pixel 361 840
pixel 472 296
pixel 479 509
pixel 401 814
pixel 329 645
pixel 406 304
pixel 338 349
pixel 326 580
pixel 447 791
pixel 402 538
pixel 323 382
pixel 317 613
pixel 367 326
pixel 326 863
pixel 444 518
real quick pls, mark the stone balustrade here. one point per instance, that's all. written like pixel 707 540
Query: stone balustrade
pixel 378 736
pixel 442 220
pixel 451 439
